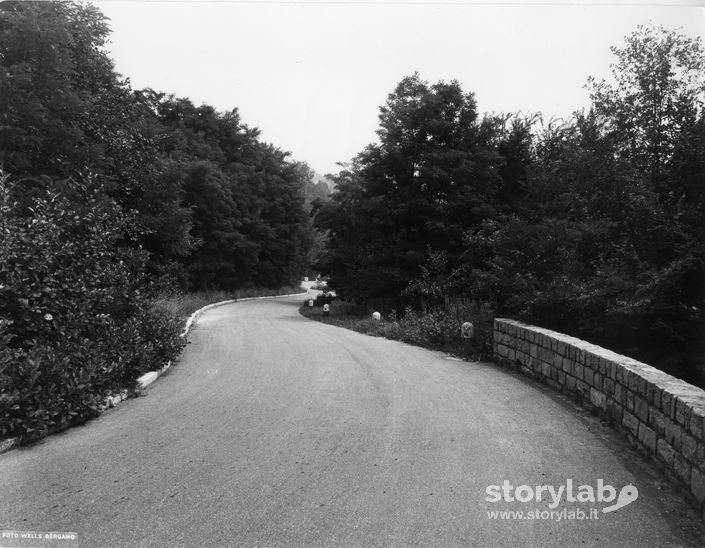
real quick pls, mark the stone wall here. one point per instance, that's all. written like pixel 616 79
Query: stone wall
pixel 662 415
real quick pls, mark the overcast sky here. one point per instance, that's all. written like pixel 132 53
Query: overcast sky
pixel 312 74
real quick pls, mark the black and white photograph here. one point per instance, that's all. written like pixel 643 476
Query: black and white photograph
pixel 352 273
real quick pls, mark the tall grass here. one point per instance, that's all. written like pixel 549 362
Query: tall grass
pixel 437 328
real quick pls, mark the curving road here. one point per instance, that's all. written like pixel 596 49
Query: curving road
pixel 274 430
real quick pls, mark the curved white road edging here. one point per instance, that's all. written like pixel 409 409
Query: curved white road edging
pixel 148 378
pixel 200 311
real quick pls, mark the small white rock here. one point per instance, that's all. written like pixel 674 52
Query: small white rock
pixel 147 379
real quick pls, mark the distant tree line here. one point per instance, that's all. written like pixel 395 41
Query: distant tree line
pixel 593 226
pixel 214 204
pixel 109 196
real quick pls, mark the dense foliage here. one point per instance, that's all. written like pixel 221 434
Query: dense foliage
pixel 591 226
pixel 219 208
pixel 76 323
pixel 433 175
pixel 110 196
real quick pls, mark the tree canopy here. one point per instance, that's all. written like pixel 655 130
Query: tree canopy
pixel 109 197
pixel 432 175
pixel 217 207
pixel 592 226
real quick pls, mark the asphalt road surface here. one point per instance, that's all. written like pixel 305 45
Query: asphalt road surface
pixel 275 430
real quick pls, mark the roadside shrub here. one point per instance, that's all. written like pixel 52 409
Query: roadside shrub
pixel 75 319
pixel 439 327
pixel 47 386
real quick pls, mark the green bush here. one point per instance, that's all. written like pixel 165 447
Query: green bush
pixel 76 320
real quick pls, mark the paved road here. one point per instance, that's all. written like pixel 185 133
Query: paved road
pixel 274 430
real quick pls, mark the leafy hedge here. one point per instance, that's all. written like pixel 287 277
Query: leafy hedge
pixel 76 319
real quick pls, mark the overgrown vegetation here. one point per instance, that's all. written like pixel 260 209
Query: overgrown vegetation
pixel 437 328
pixel 76 319
pixel 592 226
pixel 112 200
pixel 116 204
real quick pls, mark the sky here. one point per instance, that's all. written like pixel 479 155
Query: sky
pixel 311 75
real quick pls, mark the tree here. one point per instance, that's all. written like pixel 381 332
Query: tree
pixel 607 241
pixel 534 260
pixel 430 177
pixel 657 90
pixel 66 112
pixel 56 88
pixel 246 199
pixel 653 111
pixel 110 195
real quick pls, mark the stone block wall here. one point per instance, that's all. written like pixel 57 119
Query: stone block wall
pixel 662 415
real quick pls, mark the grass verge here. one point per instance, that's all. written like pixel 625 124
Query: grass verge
pixel 434 328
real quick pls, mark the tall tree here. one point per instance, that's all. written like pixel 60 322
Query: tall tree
pixel 653 111
pixel 657 90
pixel 65 112
pixel 430 177
pixel 56 88
pixel 246 198
pixel 607 242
